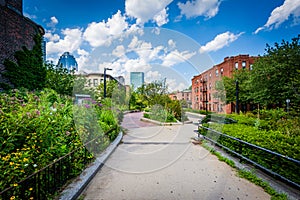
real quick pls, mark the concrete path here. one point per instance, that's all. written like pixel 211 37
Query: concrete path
pixel 160 162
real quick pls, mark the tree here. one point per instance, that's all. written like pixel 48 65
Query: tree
pixel 153 92
pixel 29 70
pixel 228 86
pixel 60 79
pixel 276 74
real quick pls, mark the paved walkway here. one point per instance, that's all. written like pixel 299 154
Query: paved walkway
pixel 160 162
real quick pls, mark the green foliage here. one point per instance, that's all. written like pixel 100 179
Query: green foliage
pixel 60 79
pixel 272 131
pixel 36 128
pixel 111 86
pixel 28 71
pixel 275 73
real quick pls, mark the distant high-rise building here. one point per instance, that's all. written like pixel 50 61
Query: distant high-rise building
pixel 136 79
pixel 68 61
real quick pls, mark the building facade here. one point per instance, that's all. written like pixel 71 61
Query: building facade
pixel 204 94
pixel 68 61
pixel 185 95
pixel 16 31
pixel 94 79
pixel 136 79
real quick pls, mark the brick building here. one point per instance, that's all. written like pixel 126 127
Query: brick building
pixel 16 30
pixel 203 85
pixel 185 95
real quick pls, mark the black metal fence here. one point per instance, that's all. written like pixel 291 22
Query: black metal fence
pixel 279 166
pixel 48 181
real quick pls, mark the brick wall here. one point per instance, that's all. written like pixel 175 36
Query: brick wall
pixel 203 85
pixel 16 30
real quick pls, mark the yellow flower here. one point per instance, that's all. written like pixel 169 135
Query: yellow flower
pixel 15 184
pixel 31 198
pixel 25 159
pixel 11 163
pixel 13 197
pixel 30 189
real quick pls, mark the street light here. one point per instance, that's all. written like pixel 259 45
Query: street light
pixel 287 104
pixel 104 77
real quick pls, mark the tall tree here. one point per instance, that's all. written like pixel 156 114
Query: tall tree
pixel 275 75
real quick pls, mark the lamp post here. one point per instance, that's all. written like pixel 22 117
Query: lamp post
pixel 104 77
pixel 237 97
pixel 287 104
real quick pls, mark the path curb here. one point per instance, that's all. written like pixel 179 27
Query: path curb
pixel 160 123
pixel 74 189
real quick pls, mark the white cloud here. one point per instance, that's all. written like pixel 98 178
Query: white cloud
pixel 151 76
pixel 195 8
pixel 161 18
pixel 172 44
pixel 101 33
pixel 53 22
pixel 71 41
pixel 145 10
pixel 176 57
pixel 119 51
pixel 173 85
pixel 136 65
pixel 220 41
pixel 281 14
pixel 83 59
pixel 51 37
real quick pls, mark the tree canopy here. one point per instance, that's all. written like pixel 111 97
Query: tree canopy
pixel 274 78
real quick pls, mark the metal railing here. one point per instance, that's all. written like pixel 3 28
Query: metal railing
pixel 279 166
pixel 48 181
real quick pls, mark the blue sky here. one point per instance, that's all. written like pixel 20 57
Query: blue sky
pixel 173 39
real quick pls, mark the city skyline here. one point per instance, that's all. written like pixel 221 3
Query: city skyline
pixel 185 38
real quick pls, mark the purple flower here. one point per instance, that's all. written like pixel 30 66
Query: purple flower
pixel 87 105
pixel 100 104
pixel 38 112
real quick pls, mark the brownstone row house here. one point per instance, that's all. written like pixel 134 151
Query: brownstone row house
pixel 16 30
pixel 203 85
pixel 184 95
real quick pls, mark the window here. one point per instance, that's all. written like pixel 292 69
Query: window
pixel 90 82
pixel 209 75
pixel 244 64
pixel 217 72
pixel 210 86
pixel 222 70
pixel 251 66
pixel 95 82
pixel 236 65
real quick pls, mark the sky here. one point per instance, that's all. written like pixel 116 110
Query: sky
pixel 172 39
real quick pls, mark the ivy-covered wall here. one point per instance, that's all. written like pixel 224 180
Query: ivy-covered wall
pixel 16 31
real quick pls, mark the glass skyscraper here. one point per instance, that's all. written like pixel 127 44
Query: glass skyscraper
pixel 136 79
pixel 68 61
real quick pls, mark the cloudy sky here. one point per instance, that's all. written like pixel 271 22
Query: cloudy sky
pixel 173 39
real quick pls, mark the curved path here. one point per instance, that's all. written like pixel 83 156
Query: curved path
pixel 160 162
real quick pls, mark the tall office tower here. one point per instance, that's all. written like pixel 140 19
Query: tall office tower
pixel 68 61
pixel 136 79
